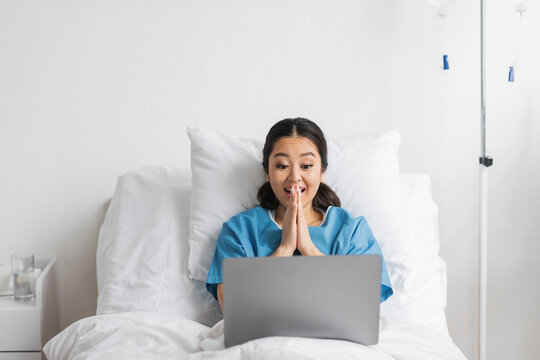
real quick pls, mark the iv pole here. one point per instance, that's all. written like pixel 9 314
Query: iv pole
pixel 485 162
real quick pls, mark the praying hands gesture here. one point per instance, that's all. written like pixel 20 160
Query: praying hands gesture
pixel 295 233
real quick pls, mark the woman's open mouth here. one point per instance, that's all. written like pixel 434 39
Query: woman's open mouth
pixel 288 190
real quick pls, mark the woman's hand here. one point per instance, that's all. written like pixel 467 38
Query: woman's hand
pixel 304 243
pixel 289 228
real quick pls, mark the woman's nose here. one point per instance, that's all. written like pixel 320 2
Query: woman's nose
pixel 294 175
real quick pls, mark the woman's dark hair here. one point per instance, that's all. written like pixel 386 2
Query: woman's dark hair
pixel 302 128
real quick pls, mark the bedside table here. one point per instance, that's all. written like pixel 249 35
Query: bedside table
pixel 26 326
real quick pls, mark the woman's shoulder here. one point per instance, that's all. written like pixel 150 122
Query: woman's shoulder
pixel 344 216
pixel 353 228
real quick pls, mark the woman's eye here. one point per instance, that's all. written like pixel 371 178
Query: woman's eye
pixel 280 166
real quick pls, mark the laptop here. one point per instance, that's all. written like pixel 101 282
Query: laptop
pixel 331 297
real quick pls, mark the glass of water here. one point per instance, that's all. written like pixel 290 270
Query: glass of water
pixel 22 265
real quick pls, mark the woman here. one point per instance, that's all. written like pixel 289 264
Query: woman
pixel 298 213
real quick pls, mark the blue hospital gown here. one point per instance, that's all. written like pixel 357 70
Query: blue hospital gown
pixel 253 233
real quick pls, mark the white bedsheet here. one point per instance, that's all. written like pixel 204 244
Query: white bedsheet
pixel 153 335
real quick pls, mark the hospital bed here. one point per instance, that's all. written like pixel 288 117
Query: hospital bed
pixel 149 307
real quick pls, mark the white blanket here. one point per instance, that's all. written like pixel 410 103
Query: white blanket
pixel 153 335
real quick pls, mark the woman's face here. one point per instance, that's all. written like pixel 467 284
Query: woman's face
pixel 294 161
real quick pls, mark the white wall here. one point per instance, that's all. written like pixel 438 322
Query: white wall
pixel 514 196
pixel 92 89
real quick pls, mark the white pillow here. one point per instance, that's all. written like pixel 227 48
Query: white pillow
pixel 142 249
pixel 424 301
pixel 226 174
pixel 363 170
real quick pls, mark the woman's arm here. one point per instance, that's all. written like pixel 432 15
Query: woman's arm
pixel 283 250
pixel 220 295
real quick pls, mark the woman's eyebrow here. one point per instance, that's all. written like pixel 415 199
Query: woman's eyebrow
pixel 287 155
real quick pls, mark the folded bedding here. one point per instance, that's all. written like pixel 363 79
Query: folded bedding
pixel 156 336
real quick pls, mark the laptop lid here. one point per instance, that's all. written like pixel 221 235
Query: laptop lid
pixel 333 297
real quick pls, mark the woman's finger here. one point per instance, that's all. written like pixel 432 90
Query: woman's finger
pixel 289 232
pixel 290 213
pixel 300 210
pixel 294 198
pixel 303 241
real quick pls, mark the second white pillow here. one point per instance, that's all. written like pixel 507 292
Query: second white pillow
pixel 227 172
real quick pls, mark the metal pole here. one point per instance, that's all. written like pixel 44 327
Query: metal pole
pixel 483 73
pixel 485 162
